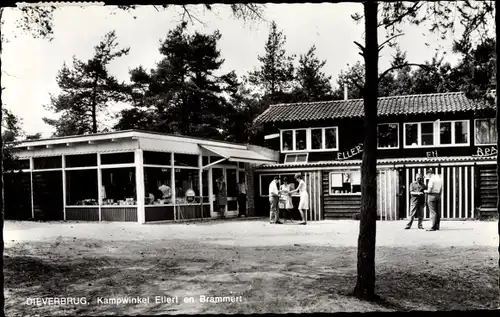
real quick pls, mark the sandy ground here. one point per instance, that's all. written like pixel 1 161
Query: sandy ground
pixel 274 268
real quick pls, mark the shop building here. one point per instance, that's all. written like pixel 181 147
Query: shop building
pixel 447 132
pixel 129 175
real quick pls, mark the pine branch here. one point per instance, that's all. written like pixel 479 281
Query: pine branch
pixel 388 40
pixel 401 66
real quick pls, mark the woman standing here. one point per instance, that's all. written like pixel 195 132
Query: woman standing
pixel 221 196
pixel 304 197
pixel 286 198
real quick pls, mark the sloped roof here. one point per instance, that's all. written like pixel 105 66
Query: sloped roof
pixel 352 108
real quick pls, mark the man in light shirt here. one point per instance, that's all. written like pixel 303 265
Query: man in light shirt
pixel 434 189
pixel 273 200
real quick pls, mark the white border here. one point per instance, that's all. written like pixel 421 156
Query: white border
pixel 341 171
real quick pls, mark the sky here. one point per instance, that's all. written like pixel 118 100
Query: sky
pixel 30 66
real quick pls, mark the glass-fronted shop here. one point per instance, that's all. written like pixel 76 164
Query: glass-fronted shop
pixel 128 176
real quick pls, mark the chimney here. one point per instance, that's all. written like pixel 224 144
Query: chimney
pixel 345 92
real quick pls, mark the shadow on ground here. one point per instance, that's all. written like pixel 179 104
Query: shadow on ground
pixel 291 279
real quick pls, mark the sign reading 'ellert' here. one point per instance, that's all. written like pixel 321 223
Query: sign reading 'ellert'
pixel 352 152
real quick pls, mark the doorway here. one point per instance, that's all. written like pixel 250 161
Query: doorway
pixel 230 177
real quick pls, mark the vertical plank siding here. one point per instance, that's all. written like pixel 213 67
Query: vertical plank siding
pixel 457 197
pixel 82 213
pixel 387 194
pixel 314 185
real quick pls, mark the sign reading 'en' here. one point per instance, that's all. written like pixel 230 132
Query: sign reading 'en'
pixel 352 152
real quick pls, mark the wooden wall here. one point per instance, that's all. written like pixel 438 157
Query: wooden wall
pixel 82 213
pixel 339 206
pixel 487 195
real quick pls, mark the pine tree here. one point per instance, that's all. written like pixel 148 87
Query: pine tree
pixel 276 72
pixel 183 95
pixel 313 83
pixel 87 90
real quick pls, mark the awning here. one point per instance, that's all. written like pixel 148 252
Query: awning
pixel 239 155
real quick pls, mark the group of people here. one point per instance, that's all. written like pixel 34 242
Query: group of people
pixel 281 196
pixel 422 195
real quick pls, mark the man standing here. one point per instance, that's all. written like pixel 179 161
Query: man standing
pixel 417 201
pixel 242 198
pixel 433 191
pixel 273 200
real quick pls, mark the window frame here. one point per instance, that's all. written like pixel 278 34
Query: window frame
pixel 341 171
pixel 436 134
pixel 296 155
pixel 479 144
pixel 397 137
pixel 309 140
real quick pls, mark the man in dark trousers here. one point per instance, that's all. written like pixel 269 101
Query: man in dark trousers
pixel 434 188
pixel 242 198
pixel 417 201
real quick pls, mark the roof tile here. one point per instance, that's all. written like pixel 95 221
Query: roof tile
pixel 395 105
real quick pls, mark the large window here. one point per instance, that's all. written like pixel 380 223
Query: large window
pixel 442 133
pixel 81 187
pixel 47 162
pixel 117 158
pixel 345 182
pixel 186 180
pixel 119 186
pixel 185 160
pixel 388 136
pixel 485 131
pixel 310 139
pixel 158 185
pixel 82 160
pixel 156 158
pixel 454 132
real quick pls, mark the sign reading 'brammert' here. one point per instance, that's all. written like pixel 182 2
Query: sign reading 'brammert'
pixel 352 152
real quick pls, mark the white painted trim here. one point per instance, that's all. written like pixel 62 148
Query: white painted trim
pixel 271 136
pixel 214 163
pixel 200 176
pixel 110 166
pixel 157 166
pixel 475 131
pixel 454 193
pixel 172 185
pixel 119 206
pixel 31 189
pixel 460 189
pixel 82 206
pixel 63 165
pixel 467 185
pixel 473 190
pixel 99 185
pixel 388 148
pixel 139 186
pixel 48 170
pixel 308 139
pixel 448 203
pixel 80 168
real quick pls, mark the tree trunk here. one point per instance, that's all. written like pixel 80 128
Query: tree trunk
pixel 365 284
pixel 94 105
pixel 2 205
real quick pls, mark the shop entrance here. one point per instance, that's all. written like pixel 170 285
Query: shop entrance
pixel 230 177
